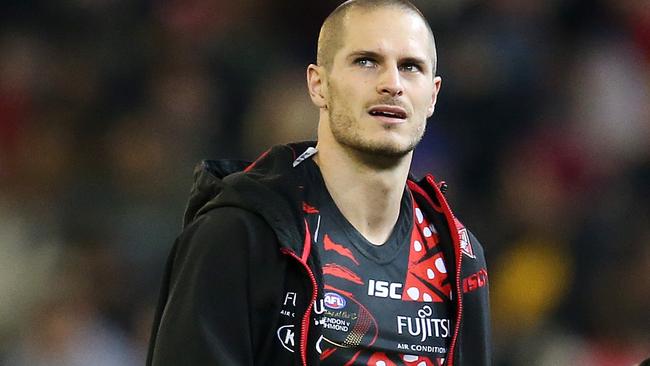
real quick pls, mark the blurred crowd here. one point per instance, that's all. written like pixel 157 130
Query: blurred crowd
pixel 542 131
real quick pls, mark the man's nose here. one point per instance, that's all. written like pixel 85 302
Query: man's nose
pixel 390 82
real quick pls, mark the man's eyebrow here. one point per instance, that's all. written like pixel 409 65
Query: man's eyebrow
pixel 365 53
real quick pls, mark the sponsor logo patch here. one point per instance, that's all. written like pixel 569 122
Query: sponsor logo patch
pixel 286 337
pixel 424 326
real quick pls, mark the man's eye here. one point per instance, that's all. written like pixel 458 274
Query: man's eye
pixel 365 62
pixel 411 68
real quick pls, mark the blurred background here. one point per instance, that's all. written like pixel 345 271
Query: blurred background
pixel 542 131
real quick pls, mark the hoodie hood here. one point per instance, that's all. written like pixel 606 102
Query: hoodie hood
pixel 270 187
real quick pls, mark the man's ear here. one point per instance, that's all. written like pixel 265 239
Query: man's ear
pixel 437 83
pixel 316 85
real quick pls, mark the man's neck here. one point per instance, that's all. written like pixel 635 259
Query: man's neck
pixel 368 191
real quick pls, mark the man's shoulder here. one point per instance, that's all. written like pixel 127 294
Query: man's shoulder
pixel 221 231
pixel 227 222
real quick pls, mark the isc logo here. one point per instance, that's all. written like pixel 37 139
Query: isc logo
pixel 334 301
pixel 385 289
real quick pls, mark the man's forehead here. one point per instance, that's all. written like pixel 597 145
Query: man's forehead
pixel 386 29
pixel 383 20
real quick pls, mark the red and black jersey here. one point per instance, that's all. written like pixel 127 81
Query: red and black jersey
pixel 255 276
pixel 383 304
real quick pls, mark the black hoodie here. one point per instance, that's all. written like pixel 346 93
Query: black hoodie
pixel 241 280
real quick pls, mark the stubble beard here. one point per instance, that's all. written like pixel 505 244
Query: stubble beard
pixel 346 131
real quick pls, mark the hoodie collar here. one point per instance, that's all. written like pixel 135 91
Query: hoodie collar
pixel 271 187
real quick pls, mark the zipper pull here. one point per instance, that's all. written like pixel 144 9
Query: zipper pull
pixel 443 187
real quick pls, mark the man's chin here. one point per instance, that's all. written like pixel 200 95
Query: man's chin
pixel 382 149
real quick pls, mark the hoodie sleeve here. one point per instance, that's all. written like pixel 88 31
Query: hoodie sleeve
pixel 204 313
pixel 475 347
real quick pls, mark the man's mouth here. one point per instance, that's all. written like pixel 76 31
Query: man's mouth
pixel 395 113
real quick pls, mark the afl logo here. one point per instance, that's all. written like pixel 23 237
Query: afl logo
pixel 334 301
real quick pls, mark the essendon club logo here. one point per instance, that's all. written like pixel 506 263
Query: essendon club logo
pixel 465 244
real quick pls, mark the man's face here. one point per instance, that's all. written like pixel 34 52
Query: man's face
pixel 380 89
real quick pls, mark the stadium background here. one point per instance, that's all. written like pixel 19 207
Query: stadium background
pixel 542 131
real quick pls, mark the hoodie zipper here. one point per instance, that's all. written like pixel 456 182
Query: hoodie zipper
pixel 306 318
pixel 456 241
pixel 314 294
pixel 453 231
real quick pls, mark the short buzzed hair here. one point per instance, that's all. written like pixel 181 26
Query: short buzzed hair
pixel 330 39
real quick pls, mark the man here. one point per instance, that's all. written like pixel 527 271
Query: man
pixel 328 253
